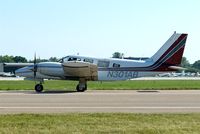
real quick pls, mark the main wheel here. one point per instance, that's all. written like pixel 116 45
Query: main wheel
pixel 38 88
pixel 81 87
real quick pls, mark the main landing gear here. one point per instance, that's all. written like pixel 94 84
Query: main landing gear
pixel 82 86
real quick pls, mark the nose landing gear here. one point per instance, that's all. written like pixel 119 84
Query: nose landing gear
pixel 39 88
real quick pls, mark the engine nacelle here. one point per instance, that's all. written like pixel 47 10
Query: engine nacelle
pixel 53 69
pixel 78 69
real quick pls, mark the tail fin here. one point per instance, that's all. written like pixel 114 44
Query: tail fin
pixel 170 54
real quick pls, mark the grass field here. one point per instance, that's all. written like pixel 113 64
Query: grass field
pixel 92 123
pixel 123 85
pixel 116 123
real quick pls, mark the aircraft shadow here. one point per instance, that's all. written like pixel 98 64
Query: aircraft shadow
pixel 52 92
pixel 147 91
pixel 57 92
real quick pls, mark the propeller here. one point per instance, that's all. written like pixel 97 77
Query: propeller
pixel 35 66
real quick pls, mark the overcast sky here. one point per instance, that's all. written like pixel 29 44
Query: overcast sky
pixel 96 28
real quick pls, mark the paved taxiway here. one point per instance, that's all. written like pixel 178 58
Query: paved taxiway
pixel 141 78
pixel 100 101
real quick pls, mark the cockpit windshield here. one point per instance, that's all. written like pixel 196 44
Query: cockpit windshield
pixel 60 60
pixel 69 58
pixel 63 59
pixel 76 58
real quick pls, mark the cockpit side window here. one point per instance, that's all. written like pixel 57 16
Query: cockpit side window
pixel 66 59
pixel 102 63
pixel 116 65
pixel 74 59
pixel 88 60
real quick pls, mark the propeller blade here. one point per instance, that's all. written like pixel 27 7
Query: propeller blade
pixel 35 59
pixel 35 66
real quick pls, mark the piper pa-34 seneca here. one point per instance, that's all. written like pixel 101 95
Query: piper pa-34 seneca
pixel 83 69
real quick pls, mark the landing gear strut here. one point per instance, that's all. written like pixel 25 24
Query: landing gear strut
pixel 82 86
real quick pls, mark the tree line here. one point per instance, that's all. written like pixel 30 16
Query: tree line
pixel 195 67
pixel 20 59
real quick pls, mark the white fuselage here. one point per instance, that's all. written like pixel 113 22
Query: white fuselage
pixel 108 69
pixel 83 69
pixel 166 59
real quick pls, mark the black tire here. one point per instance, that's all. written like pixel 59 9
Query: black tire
pixel 79 89
pixel 39 88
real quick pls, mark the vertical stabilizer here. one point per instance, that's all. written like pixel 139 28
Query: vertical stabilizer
pixel 171 53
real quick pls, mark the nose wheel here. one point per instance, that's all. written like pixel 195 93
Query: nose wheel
pixel 39 88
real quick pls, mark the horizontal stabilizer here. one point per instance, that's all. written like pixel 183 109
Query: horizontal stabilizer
pixel 177 68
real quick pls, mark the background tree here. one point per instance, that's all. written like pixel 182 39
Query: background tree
pixel 19 59
pixel 193 68
pixel 11 59
pixel 185 63
pixel 38 60
pixel 6 58
pixel 196 65
pixel 53 59
pixel 117 55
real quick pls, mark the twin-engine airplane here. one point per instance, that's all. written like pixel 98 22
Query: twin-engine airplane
pixel 83 69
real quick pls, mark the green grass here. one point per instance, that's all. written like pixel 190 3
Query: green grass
pixel 116 123
pixel 115 85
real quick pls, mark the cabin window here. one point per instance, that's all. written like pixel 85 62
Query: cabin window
pixel 103 63
pixel 74 59
pixel 88 60
pixel 116 65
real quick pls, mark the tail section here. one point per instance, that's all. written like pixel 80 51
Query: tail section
pixel 169 56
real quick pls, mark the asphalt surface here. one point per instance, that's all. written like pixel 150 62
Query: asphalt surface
pixel 177 101
pixel 141 78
